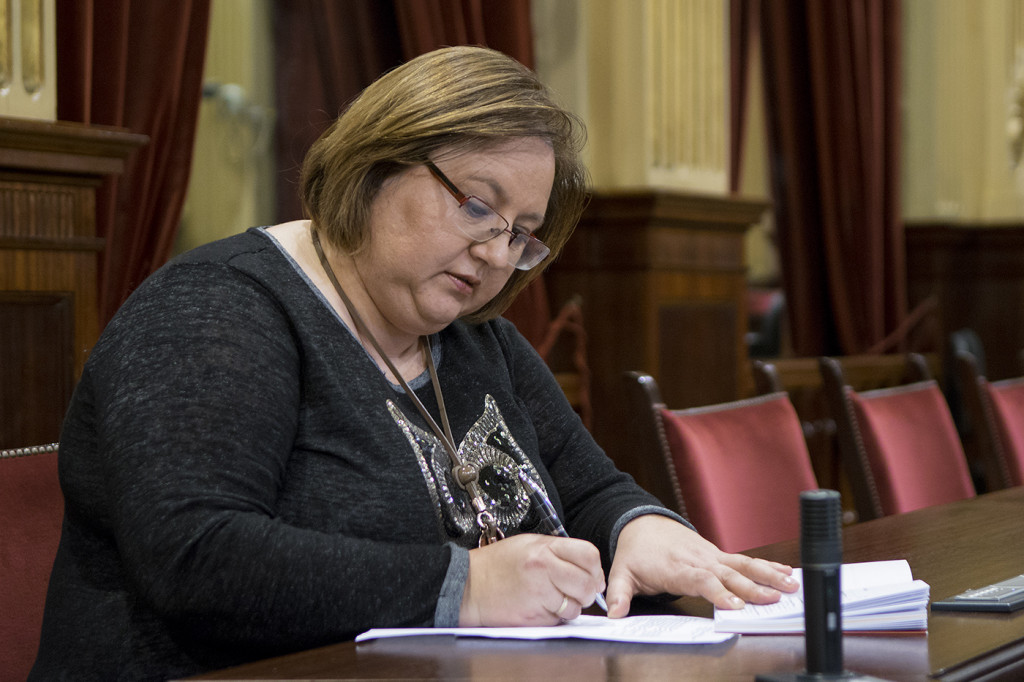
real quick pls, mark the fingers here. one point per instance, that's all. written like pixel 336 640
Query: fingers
pixel 723 588
pixel 569 609
pixel 738 579
pixel 620 595
pixel 579 575
pixel 530 580
pixel 761 582
pixel 719 583
pixel 656 554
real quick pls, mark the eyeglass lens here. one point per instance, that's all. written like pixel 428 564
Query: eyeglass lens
pixel 482 223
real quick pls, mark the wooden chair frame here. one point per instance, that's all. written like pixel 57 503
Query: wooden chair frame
pixel 801 378
pixel 658 472
pixel 867 500
pixel 695 435
pixel 992 455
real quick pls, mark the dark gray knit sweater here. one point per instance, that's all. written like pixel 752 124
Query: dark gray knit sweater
pixel 241 480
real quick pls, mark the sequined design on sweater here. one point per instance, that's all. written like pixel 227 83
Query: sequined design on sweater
pixel 490 445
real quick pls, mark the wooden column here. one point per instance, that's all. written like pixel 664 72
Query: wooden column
pixel 49 173
pixel 662 278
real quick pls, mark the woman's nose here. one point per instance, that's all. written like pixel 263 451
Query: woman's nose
pixel 495 252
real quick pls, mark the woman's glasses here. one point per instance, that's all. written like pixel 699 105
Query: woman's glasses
pixel 481 223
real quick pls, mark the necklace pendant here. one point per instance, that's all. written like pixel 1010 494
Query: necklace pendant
pixel 489 531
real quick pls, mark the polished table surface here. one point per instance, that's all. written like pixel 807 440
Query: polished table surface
pixel 952 548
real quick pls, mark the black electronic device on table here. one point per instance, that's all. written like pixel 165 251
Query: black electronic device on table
pixel 1004 596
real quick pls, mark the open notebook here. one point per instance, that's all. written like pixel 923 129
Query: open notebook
pixel 876 596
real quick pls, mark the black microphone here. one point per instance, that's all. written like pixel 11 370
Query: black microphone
pixel 821 553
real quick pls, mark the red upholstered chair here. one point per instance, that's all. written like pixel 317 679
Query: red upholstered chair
pixel 737 468
pixel 900 443
pixel 1007 402
pixel 996 410
pixel 31 510
pixel 801 378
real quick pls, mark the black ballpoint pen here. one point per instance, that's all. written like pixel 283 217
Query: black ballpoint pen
pixel 549 516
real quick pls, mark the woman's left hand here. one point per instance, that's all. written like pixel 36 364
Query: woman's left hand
pixel 656 555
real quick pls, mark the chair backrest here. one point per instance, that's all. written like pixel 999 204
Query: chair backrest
pixel 737 468
pixel 900 445
pixel 996 410
pixel 801 378
pixel 31 511
pixel 1006 398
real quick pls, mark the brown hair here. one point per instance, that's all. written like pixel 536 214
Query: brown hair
pixel 452 99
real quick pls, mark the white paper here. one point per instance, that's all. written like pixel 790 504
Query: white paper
pixel 875 595
pixel 643 629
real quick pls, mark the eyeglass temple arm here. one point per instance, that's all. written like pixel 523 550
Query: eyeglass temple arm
pixel 452 189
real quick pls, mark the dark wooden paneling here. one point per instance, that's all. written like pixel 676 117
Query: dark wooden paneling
pixel 49 173
pixel 694 371
pixel 38 366
pixel 662 282
pixel 977 274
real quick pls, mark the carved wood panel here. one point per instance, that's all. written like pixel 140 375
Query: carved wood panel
pixel 36 334
pixel 49 173
pixel 662 281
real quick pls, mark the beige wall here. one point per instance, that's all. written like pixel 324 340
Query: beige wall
pixel 958 72
pixel 649 78
pixel 28 59
pixel 231 184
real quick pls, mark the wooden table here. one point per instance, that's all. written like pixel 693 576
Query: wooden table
pixel 952 547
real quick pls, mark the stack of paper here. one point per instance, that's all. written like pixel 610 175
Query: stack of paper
pixel 876 595
pixel 644 629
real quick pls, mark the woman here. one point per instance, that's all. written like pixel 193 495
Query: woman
pixel 298 433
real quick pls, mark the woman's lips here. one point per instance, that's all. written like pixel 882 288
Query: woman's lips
pixel 463 282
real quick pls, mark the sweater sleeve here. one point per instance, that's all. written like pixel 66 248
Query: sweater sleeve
pixel 196 407
pixel 598 499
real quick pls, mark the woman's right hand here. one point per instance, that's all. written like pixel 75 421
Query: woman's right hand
pixel 523 580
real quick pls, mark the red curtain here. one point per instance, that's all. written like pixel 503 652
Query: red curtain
pixel 832 84
pixel 136 65
pixel 426 25
pixel 325 53
pixel 743 23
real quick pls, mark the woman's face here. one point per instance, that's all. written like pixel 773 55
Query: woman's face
pixel 419 269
